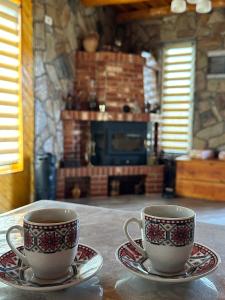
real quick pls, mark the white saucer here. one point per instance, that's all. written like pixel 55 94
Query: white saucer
pixel 12 272
pixel 202 262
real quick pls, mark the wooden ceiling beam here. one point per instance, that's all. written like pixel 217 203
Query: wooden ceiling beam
pixel 109 2
pixel 158 12
pixel 143 14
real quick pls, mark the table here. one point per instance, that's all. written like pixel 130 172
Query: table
pixel 101 228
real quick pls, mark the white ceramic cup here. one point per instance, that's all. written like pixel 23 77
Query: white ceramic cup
pixel 167 236
pixel 50 241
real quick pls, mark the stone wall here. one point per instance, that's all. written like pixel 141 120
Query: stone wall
pixel 209 33
pixel 54 48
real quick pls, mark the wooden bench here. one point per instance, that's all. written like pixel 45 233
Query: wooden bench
pixel 204 179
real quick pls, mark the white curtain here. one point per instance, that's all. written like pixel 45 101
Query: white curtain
pixel 151 69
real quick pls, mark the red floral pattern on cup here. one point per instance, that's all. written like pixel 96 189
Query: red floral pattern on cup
pixel 28 240
pixel 181 235
pixel 51 238
pixel 155 233
pixel 49 241
pixel 176 233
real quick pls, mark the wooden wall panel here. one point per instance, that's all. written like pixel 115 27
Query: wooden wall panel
pixel 17 189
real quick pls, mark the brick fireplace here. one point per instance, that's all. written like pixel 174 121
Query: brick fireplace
pixel 118 85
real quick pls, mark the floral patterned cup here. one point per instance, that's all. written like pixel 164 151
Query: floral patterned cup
pixel 167 236
pixel 50 241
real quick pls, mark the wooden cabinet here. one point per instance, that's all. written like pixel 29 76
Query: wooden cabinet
pixel 204 179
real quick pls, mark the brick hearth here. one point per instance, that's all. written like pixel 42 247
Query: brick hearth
pixel 99 177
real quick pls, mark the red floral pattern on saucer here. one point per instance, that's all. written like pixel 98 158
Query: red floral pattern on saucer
pixel 201 262
pixel 86 263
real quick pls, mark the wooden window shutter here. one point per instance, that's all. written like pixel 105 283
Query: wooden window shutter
pixel 11 150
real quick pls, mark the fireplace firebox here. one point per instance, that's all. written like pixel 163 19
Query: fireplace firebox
pixel 118 143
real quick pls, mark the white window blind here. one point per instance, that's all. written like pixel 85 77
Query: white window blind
pixel 10 98
pixel 177 97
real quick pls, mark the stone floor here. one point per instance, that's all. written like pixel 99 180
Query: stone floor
pixel 207 211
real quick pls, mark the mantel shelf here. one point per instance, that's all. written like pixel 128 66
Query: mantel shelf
pixel 109 116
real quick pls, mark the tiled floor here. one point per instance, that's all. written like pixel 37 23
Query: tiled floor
pixel 207 211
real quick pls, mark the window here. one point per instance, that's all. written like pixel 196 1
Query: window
pixel 177 97
pixel 11 158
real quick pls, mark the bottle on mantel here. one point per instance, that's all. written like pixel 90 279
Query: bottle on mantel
pixel 92 100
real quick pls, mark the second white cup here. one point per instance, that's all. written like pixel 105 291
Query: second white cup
pixel 167 236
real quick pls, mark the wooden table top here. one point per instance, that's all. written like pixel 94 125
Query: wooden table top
pixel 102 229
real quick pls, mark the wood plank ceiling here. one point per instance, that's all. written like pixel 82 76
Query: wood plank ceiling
pixel 129 10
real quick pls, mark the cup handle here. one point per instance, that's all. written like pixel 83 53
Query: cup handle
pixel 125 227
pixel 14 249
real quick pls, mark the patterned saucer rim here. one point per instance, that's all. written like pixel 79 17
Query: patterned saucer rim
pixel 74 282
pixel 157 277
